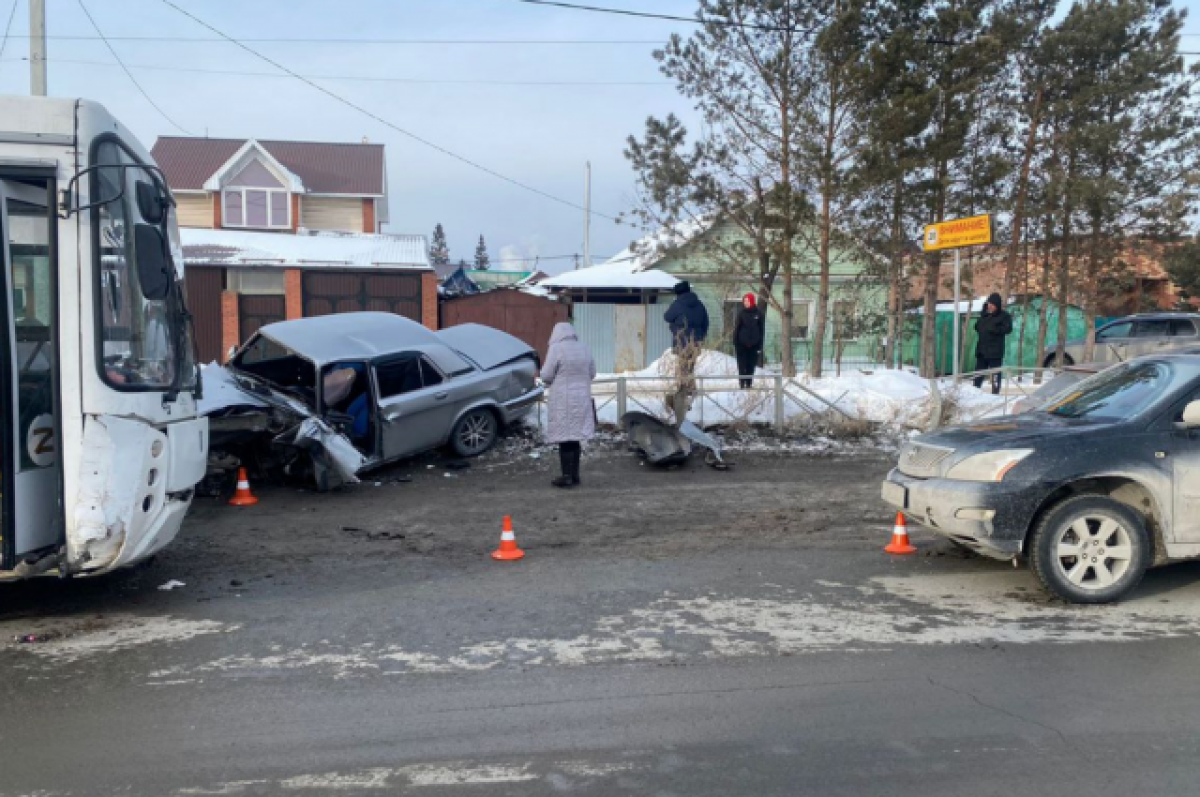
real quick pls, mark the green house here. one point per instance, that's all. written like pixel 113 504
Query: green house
pixel 713 261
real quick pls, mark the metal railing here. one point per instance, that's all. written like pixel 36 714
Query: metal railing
pixel 1016 382
pixel 769 394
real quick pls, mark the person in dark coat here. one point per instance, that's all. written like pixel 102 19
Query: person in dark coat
pixel 992 328
pixel 748 339
pixel 687 317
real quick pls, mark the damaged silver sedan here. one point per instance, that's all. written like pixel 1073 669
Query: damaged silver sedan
pixel 334 396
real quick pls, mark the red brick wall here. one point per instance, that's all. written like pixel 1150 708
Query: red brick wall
pixel 369 215
pixel 295 212
pixel 293 289
pixel 429 300
pixel 218 222
pixel 230 334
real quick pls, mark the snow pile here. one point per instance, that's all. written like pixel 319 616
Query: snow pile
pixel 895 400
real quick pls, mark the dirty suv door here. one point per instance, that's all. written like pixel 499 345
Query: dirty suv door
pixel 415 410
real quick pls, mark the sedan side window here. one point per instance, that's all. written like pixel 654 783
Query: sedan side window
pixel 430 375
pixel 1182 328
pixel 399 376
pixel 1115 331
pixel 1158 328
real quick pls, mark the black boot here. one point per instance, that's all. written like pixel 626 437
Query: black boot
pixel 564 459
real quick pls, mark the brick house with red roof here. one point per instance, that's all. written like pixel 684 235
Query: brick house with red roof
pixel 277 230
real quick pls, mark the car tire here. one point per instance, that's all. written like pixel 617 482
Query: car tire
pixel 1051 361
pixel 1101 526
pixel 474 433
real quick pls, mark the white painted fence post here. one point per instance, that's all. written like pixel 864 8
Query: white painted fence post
pixel 779 413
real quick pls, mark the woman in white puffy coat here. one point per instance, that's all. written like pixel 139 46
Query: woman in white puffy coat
pixel 569 371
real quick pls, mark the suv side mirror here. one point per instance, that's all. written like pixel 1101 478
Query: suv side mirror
pixel 1191 416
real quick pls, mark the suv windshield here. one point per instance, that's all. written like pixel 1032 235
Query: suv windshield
pixel 1116 394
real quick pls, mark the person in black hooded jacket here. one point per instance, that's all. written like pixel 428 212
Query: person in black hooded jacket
pixel 992 328
pixel 748 339
pixel 687 317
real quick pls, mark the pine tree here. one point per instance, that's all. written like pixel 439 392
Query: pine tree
pixel 482 261
pixel 741 72
pixel 439 253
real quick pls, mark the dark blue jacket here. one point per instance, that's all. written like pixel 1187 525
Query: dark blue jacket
pixel 688 319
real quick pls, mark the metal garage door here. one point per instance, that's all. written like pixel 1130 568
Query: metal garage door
pixel 352 292
pixel 204 286
pixel 258 311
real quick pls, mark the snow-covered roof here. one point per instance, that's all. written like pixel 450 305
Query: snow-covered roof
pixel 647 251
pixel 305 248
pixel 615 274
pixel 975 306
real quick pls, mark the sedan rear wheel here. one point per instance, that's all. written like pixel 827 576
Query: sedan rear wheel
pixel 1090 549
pixel 474 433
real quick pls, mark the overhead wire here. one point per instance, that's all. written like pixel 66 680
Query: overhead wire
pixel 387 123
pixel 129 74
pixel 8 27
pixel 651 15
pixel 366 78
pixel 327 40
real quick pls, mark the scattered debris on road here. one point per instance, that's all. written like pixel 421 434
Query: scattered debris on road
pixel 170 585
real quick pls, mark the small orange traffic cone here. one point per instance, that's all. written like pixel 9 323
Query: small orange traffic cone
pixel 242 496
pixel 508 550
pixel 900 543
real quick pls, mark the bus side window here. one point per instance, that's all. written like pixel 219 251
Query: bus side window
pixel 138 349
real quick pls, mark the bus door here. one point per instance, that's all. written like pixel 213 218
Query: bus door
pixel 31 463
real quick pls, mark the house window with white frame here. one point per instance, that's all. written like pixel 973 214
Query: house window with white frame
pixel 255 198
pixel 801 318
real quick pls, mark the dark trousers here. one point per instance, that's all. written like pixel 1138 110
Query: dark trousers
pixel 984 364
pixel 569 455
pixel 747 361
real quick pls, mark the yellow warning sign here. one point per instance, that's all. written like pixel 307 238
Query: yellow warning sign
pixel 958 233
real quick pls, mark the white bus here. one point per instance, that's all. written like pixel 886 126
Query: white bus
pixel 100 445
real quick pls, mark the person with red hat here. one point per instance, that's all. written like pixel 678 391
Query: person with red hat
pixel 748 333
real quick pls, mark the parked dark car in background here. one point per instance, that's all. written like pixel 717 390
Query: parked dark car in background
pixel 355 391
pixel 1091 489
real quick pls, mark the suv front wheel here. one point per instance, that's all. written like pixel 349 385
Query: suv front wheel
pixel 1090 549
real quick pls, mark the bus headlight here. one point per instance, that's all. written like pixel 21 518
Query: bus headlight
pixel 991 466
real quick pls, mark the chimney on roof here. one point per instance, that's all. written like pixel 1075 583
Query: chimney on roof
pixel 366 140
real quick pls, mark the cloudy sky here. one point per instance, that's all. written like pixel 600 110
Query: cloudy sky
pixel 495 104
pixel 533 111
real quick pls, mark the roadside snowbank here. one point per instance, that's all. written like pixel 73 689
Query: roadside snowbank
pixel 897 399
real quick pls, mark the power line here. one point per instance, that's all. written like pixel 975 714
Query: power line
pixel 129 74
pixel 8 27
pixel 299 40
pixel 648 15
pixel 381 120
pixel 366 78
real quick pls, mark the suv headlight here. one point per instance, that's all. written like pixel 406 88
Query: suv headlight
pixel 991 466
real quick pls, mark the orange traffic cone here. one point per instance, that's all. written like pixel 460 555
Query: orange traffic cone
pixel 508 550
pixel 242 496
pixel 900 543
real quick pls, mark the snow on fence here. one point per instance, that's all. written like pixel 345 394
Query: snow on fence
pixel 896 399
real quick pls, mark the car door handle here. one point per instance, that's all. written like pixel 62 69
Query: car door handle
pixel 441 396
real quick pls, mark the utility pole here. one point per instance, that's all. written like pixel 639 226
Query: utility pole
pixel 37 48
pixel 587 217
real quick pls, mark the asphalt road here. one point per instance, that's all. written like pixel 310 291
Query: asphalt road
pixel 685 633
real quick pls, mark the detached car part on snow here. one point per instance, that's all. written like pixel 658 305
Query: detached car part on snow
pixel 341 394
pixel 663 445
pixel 1092 489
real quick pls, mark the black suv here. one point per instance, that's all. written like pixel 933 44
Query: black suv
pixel 1092 489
